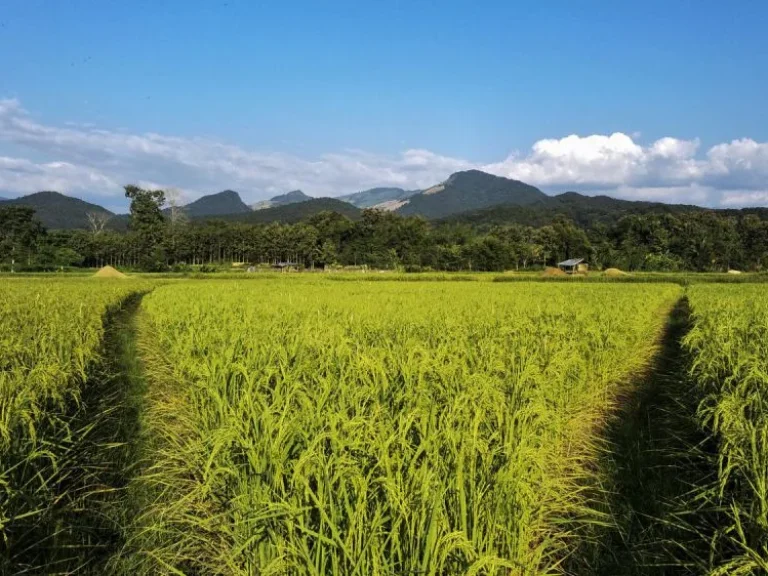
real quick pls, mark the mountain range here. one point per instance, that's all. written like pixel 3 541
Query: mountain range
pixel 470 197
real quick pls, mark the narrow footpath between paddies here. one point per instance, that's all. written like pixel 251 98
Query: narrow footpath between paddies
pixel 657 460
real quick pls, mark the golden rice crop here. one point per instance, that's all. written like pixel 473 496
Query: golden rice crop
pixel 377 428
pixel 50 338
pixel 729 347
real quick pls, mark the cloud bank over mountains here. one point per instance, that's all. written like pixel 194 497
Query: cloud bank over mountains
pixel 95 163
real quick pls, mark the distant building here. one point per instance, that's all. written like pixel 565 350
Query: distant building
pixel 285 266
pixel 573 266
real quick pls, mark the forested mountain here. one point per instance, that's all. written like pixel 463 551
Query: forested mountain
pixel 326 231
pixel 469 190
pixel 582 210
pixel 293 197
pixel 471 198
pixel 294 212
pixel 57 211
pixel 226 202
pixel 377 197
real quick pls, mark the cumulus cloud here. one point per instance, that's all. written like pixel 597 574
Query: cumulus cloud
pixel 603 162
pixel 668 169
pixel 97 162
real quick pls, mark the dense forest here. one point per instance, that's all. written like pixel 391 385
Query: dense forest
pixel 157 240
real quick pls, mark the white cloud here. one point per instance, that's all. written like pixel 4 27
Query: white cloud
pixel 599 162
pixel 25 177
pixel 732 198
pixel 691 194
pixel 82 159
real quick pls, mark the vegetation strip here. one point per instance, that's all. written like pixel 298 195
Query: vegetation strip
pixel 63 393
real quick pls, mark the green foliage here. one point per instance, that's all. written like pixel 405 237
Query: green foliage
pixel 20 234
pixel 146 211
pixel 52 338
pixel 148 222
pixel 308 427
pixel 729 347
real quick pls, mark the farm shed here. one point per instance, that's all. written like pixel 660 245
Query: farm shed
pixel 573 265
pixel 285 266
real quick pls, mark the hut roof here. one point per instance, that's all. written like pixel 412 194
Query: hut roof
pixel 571 262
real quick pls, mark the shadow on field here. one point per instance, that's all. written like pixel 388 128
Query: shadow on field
pixel 658 456
pixel 76 528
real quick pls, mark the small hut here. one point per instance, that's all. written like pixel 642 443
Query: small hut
pixel 573 266
pixel 286 266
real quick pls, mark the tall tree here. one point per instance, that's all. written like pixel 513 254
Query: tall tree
pixel 148 223
pixel 20 234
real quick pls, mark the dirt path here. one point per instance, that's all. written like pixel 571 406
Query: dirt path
pixel 658 455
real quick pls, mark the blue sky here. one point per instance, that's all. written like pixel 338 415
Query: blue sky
pixel 334 97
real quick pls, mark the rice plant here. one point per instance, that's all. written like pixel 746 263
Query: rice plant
pixel 729 348
pixel 318 428
pixel 51 335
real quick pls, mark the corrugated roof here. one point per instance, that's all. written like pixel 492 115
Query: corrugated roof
pixel 571 262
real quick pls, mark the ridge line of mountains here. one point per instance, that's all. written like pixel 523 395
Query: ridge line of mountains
pixel 471 197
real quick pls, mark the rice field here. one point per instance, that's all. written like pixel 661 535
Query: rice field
pixel 729 347
pixel 378 429
pixel 51 334
pixel 313 427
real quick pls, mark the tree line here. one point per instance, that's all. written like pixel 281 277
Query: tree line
pixel 158 241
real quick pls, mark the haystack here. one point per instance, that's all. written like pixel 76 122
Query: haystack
pixel 731 271
pixel 614 272
pixel 550 271
pixel 109 272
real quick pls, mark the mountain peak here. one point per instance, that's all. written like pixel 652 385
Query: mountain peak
pixel 377 196
pixel 218 204
pixel 58 211
pixel 470 190
pixel 292 197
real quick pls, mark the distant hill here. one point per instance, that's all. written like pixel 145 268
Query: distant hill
pixel 581 209
pixel 293 197
pixel 57 211
pixel 472 197
pixel 469 190
pixel 226 202
pixel 377 197
pixel 295 212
